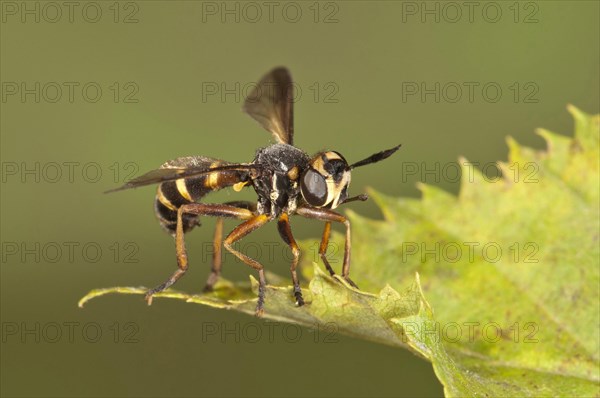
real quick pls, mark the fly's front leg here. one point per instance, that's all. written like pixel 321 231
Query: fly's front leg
pixel 330 216
pixel 216 210
pixel 285 230
pixel 323 247
pixel 238 233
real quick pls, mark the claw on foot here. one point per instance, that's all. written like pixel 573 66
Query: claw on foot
pixel 260 312
pixel 299 298
pixel 210 282
pixel 148 297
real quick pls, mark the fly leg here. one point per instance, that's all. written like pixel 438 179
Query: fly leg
pixel 215 210
pixel 238 233
pixel 215 270
pixel 285 230
pixel 330 216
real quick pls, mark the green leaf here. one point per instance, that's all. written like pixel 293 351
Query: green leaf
pixel 511 267
pixel 330 301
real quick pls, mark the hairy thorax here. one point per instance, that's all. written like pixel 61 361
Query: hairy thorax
pixel 277 186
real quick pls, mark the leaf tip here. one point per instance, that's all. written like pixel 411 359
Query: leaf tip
pixel 90 295
pixel 574 111
pixel 317 271
pixel 511 142
pixel 82 301
pixel 424 302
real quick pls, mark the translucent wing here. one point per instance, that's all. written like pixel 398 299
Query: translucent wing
pixel 187 167
pixel 271 104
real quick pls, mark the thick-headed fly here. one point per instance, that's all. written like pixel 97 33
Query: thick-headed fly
pixel 286 180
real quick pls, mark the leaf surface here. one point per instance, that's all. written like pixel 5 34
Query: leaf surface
pixel 510 266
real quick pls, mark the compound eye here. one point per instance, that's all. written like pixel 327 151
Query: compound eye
pixel 314 188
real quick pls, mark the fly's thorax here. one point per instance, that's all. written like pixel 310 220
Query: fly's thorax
pixel 281 158
pixel 278 187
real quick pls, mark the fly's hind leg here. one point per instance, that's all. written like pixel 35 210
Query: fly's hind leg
pixel 197 209
pixel 215 270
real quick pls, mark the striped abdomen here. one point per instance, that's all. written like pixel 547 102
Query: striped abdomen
pixel 171 195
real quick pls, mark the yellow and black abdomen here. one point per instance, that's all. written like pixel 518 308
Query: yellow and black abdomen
pixel 171 195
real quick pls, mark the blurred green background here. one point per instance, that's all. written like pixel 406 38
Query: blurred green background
pixel 156 63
